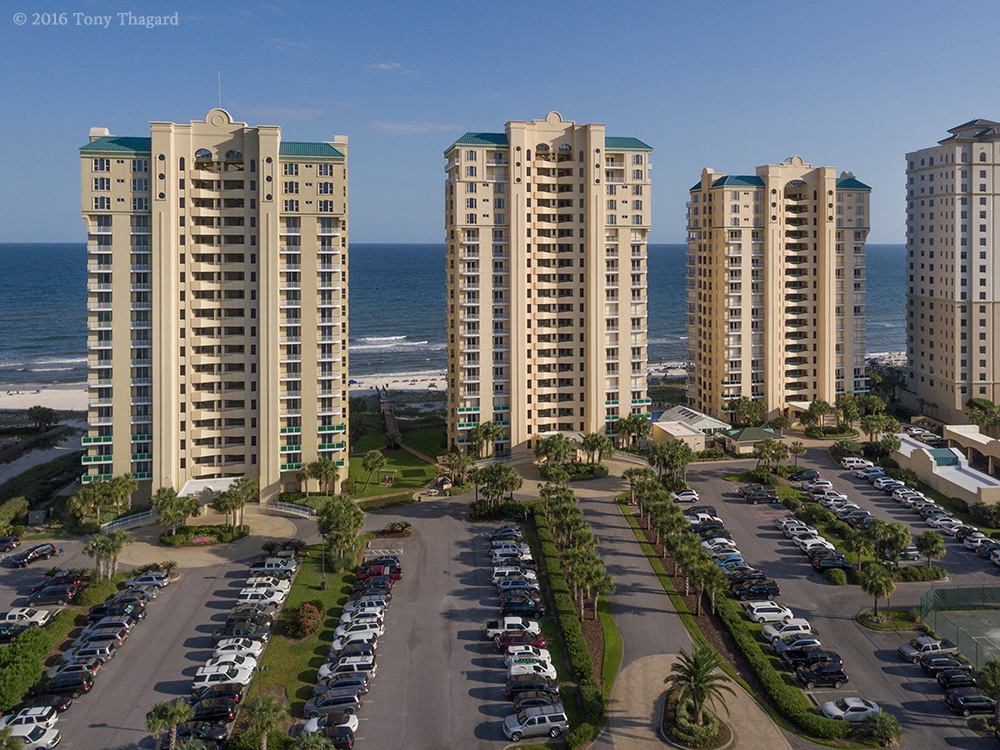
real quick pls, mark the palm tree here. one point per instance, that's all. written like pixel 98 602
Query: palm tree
pixel 97 547
pixel 117 541
pixel 373 461
pixel 315 741
pixel 931 545
pixel 265 713
pixel 634 477
pixel 988 680
pixel 9 741
pixel 193 743
pixel 883 728
pixel 167 566
pixel 698 677
pixel 165 716
pixel 303 477
pixel 244 489
pixel 602 585
pixel 86 499
pixel 797 449
pixel 875 582
pixel 859 543
pixel 324 470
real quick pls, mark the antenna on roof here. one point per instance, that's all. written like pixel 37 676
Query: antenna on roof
pixel 220 88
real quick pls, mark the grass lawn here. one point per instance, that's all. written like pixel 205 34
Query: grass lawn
pixel 294 664
pixel 428 440
pixel 412 473
pixel 372 440
pixel 612 647
pixel 899 619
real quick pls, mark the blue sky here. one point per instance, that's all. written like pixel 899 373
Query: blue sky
pixel 729 85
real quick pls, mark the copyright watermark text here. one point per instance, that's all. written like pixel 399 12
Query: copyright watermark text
pixel 126 18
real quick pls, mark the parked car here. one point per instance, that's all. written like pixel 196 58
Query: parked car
pixel 804 475
pixel 154 578
pixel 241 629
pixel 827 563
pixel 222 674
pixel 531 698
pixel 527 682
pixel 59 702
pixel 808 657
pixel 89 665
pixel 8 543
pixel 536 721
pixel 220 710
pixel 515 652
pixel 26 615
pixel 210 733
pixel 244 661
pixel 74 684
pixel 37 738
pixel 324 723
pixel 31 717
pixel 532 666
pixel 349 665
pixel 101 611
pixel 394 572
pixel 528 607
pixel 10 630
pixel 342 701
pixel 685 496
pixel 767 496
pixel 244 646
pixel 822 675
pixel 756 589
pixel 356 682
pixel 969 700
pixel 934 664
pixel 761 612
pixel 850 709
pixel 61 578
pixel 509 640
pixel 38 552
pixel 229 690
pixel 796 626
pixel 952 678
pixel 795 641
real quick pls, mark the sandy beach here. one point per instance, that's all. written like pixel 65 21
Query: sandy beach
pixel 68 397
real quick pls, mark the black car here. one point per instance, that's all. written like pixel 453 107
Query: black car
pixel 804 475
pixel 525 607
pixel 61 578
pixel 808 657
pixel 965 531
pixel 73 684
pixel 38 552
pixel 354 649
pixel 824 553
pixel 9 631
pixel 216 710
pixel 7 543
pixel 49 700
pixel 522 683
pixel 764 496
pixel 229 691
pixel 747 575
pixel 136 611
pixel 130 596
pixel 765 589
pixel 969 700
pixel 953 678
pixel 935 664
pixel 822 675
pixel 383 560
pixel 531 698
pixel 241 629
pixel 245 616
pixel 828 563
pixel 704 526
pixel 748 489
pixel 375 582
pixel 341 737
pixel 212 735
pixel 53 595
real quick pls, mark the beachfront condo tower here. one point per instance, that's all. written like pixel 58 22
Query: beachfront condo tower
pixel 217 304
pixel 547 225
pixel 776 287
pixel 953 271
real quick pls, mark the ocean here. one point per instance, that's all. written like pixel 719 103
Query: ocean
pixel 397 309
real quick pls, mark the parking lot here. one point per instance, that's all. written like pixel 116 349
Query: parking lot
pixel 870 659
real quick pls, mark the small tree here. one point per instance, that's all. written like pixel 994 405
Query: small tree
pixel 988 679
pixel 698 677
pixel 372 462
pixel 325 470
pixel 166 716
pixel 303 477
pixel 858 543
pixel 931 545
pixel 339 521
pixel 171 510
pixel 9 741
pixel 875 582
pixel 797 449
pixel 883 728
pixel 43 417
pixel 265 713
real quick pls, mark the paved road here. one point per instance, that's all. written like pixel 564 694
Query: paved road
pixel 440 683
pixel 869 657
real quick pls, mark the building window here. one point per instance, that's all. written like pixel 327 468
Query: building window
pixel 326 207
pixel 140 184
pixel 102 183
pixel 636 205
pixel 140 204
pixel 102 165
pixel 291 169
pixel 141 165
pixel 292 188
pixel 637 160
pixel 102 203
pixel 325 188
pixel 291 206
pixel 470 218
pixel 636 174
pixel 324 170
pixel 470 202
pixel 470 171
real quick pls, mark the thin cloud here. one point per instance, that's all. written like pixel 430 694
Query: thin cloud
pixel 393 67
pixel 411 128
pixel 278 115
pixel 286 44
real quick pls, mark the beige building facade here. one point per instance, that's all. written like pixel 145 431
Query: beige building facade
pixel 217 303
pixel 953 278
pixel 547 226
pixel 776 287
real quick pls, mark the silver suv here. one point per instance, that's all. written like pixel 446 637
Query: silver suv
pixel 536 722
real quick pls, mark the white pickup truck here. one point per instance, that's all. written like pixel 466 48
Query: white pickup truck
pixel 918 647
pixel 496 628
pixel 27 616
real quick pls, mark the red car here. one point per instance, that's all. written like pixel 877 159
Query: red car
pixel 517 638
pixel 62 579
pixel 393 572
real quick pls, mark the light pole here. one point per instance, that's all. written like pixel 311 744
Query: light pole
pixel 322 581
pixel 259 671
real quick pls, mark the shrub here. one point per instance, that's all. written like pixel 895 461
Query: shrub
pixel 835 576
pixel 761 476
pixel 245 739
pixel 882 728
pixel 815 432
pixel 95 592
pixel 304 621
pixel 683 728
pixel 844 448
pixel 981 513
pixel 791 503
pixel 576 471
pixel 459 489
pixel 197 534
pixel 815 515
pixel 511 510
pixel 711 453
pixel 838 529
pixel 11 509
pixel 911 573
pixel 581 736
pixel 23 660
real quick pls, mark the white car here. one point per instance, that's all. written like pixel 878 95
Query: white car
pixel 263 597
pixel 363 614
pixel 787 521
pixel 940 519
pixel 819 484
pixel 850 709
pixel 366 601
pixel 157 578
pixel 685 496
pixel 808 544
pixel 695 518
pixel 322 722
pixel 27 616
pixel 349 665
pixel 244 661
pixel 722 551
pixel 796 626
pixel 833 499
pixel 532 667
pixel 358 628
pixel 976 539
pixel 31 717
pixel 268 582
pixel 995 557
pixel 367 636
pixel 518 652
pixel 799 530
pixel 221 674
pixel 761 612
pixel 368 618
pixel 508 571
pixel 950 527
pixel 37 738
pixel 713 545
pixel 244 646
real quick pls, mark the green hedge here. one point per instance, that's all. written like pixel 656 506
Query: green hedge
pixel 96 591
pixel 686 731
pixel 836 576
pixel 576 471
pixel 246 740
pixel 788 700
pixel 220 533
pixel 10 510
pixel 23 661
pixel 911 573
pixel 511 510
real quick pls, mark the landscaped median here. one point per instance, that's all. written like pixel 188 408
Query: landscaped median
pixel 23 660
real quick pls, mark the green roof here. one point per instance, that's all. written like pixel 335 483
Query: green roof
pixel 500 139
pixel 142 146
pixel 849 183
pixel 300 148
pixel 117 143
pixel 750 434
pixel 739 180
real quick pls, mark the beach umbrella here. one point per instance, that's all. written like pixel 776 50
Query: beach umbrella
pixel 352 382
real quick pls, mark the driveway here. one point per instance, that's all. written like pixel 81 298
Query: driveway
pixel 875 671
